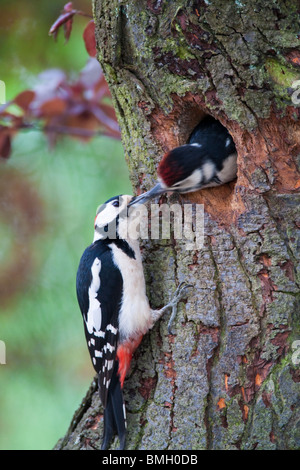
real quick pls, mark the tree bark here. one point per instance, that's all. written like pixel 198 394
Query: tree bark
pixel 228 377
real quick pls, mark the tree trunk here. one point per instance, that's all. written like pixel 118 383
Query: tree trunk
pixel 229 376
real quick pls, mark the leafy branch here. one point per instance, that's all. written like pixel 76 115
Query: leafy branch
pixel 80 108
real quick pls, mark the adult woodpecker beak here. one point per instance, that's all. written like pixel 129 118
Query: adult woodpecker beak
pixel 157 190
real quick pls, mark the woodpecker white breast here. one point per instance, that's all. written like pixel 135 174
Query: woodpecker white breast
pixel 209 159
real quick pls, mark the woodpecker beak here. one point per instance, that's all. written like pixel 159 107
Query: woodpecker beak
pixel 157 190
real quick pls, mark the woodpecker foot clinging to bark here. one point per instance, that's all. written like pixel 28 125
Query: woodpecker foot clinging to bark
pixel 180 294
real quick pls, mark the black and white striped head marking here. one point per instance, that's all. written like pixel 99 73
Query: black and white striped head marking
pixel 108 215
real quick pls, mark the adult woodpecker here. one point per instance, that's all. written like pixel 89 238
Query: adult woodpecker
pixel 116 314
pixel 209 159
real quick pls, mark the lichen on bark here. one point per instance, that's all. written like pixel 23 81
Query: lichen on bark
pixel 225 379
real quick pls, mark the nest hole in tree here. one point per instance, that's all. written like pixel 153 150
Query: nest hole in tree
pixel 219 200
pixel 174 129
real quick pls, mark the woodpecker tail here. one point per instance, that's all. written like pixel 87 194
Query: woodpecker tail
pixel 114 413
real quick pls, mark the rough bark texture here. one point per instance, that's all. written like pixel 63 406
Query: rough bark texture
pixel 226 379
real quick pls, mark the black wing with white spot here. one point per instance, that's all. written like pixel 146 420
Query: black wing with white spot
pixel 99 292
pixel 214 140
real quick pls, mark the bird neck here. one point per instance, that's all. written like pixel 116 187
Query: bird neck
pixel 128 246
pixel 118 233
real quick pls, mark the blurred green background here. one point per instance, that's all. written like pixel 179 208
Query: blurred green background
pixel 47 370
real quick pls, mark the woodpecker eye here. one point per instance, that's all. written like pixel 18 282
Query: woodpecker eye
pixel 116 203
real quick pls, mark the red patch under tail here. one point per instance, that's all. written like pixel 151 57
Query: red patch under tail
pixel 124 355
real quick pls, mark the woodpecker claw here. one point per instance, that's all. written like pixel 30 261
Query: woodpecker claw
pixel 179 295
pixel 172 317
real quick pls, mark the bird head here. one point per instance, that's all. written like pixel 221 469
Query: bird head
pixel 114 219
pixel 178 171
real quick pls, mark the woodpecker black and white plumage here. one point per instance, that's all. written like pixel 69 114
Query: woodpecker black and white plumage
pixel 116 313
pixel 209 159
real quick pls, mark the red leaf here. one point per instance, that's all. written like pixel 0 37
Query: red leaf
pixel 54 107
pixel 89 38
pixel 62 20
pixel 5 145
pixel 67 29
pixel 24 99
pixel 68 6
pixel 85 125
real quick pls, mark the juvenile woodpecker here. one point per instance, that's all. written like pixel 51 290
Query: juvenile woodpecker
pixel 116 313
pixel 209 159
